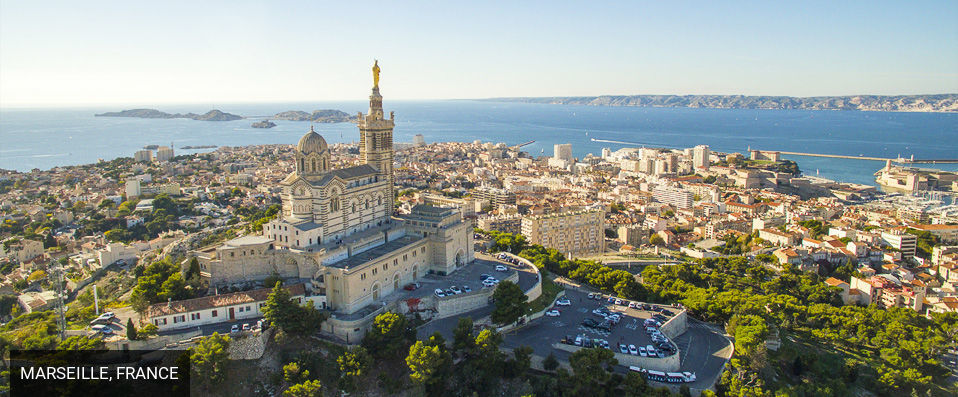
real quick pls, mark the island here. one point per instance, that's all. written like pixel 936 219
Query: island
pixel 263 124
pixel 881 103
pixel 199 147
pixel 212 115
pixel 318 116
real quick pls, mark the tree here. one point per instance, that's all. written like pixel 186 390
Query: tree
pixel 428 366
pixel 656 240
pixel 550 363
pixel 390 335
pixel 522 361
pixel 49 241
pixel 463 341
pixel 147 331
pixel 354 364
pixel 309 388
pixel 293 374
pixel 272 279
pixel 78 342
pixel 130 329
pixel 289 316
pixel 209 358
pixel 591 368
pixel 511 303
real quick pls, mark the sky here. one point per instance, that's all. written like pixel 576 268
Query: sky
pixel 90 52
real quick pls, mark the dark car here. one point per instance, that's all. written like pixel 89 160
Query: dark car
pixel 590 323
pixel 605 326
pixel 660 317
pixel 568 339
pixel 667 312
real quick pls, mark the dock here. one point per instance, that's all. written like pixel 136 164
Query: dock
pixel 839 156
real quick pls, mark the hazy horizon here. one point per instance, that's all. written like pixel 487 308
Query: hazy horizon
pixel 76 54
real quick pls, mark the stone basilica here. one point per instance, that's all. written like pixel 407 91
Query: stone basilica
pixel 336 231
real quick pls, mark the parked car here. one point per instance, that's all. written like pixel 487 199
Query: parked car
pixel 455 290
pixel 605 344
pixel 439 293
pixel 563 302
pixel 590 323
pixel 578 340
pixel 567 339
pixel 552 313
pixel 501 268
pixel 667 312
pixel 618 302
pixel 412 287
pixel 634 305
pixel 605 325
pixel 591 295
pixel 108 315
pixel 246 327
pixel 234 329
pixel 643 352
pixel 483 277
pixel 623 348
pixel 611 299
pixel 650 349
pixel 465 288
pixel 449 292
pixel 633 351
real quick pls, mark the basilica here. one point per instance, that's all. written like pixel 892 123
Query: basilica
pixel 337 233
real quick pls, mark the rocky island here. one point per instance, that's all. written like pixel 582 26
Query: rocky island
pixel 318 116
pixel 212 115
pixel 263 124
pixel 880 103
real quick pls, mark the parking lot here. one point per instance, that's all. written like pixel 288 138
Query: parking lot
pixel 548 330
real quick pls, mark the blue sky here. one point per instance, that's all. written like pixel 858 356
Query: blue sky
pixel 90 52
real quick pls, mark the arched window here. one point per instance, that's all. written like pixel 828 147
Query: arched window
pixel 302 165
pixel 313 161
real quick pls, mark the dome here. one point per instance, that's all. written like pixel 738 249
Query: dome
pixel 311 143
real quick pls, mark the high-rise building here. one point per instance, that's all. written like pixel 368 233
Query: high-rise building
pixel 700 156
pixel 572 232
pixel 418 140
pixel 606 153
pixel 675 197
pixel 899 239
pixel 563 151
pixel 164 153
pixel 143 156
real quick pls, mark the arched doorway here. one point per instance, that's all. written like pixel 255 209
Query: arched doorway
pixel 459 259
pixel 396 281
pixel 376 292
pixel 415 272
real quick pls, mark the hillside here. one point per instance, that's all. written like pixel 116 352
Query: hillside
pixel 212 115
pixel 319 116
pixel 898 103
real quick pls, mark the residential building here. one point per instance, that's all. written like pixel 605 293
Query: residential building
pixel 572 232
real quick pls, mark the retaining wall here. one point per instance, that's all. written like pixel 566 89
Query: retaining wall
pixel 665 364
pixel 676 325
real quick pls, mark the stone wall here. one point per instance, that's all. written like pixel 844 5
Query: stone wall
pixel 676 325
pixel 457 304
pixel 666 364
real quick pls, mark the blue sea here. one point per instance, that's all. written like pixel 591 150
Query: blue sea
pixel 46 138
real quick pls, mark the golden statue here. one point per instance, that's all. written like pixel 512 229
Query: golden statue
pixel 376 74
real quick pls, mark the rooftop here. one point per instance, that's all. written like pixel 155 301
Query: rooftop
pixel 247 241
pixel 209 302
pixel 366 256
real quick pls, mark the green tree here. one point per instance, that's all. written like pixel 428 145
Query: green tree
pixel 293 374
pixel 289 316
pixel 428 366
pixel 78 342
pixel 390 335
pixel 147 331
pixel 591 369
pixel 656 240
pixel 353 364
pixel 511 303
pixel 309 388
pixel 463 341
pixel 209 358
pixel 550 363
pixel 130 329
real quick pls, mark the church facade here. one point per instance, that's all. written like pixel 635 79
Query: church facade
pixel 337 233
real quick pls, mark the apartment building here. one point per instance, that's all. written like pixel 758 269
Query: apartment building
pixel 572 232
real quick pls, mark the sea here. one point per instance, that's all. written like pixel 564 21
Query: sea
pixel 44 138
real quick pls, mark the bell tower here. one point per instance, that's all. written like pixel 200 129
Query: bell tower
pixel 376 135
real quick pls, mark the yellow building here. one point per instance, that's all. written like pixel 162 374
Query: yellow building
pixel 573 232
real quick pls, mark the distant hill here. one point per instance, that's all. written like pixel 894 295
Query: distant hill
pixel 882 103
pixel 212 115
pixel 319 116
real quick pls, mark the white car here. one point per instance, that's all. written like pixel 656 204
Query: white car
pixel 455 290
pixel 501 268
pixel 633 351
pixel 234 329
pixel 634 305
pixel 439 293
pixel 643 352
pixel 563 302
pixel 552 313
pixel 488 283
